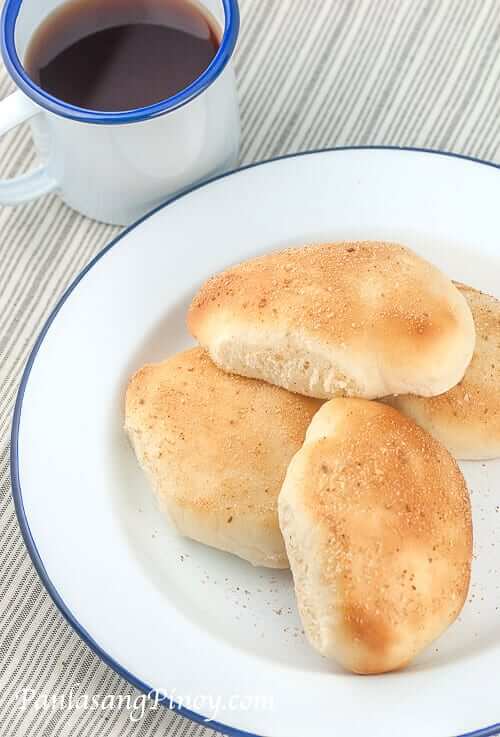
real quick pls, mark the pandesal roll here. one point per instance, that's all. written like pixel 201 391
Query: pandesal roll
pixel 376 519
pixel 364 319
pixel 215 448
pixel 467 417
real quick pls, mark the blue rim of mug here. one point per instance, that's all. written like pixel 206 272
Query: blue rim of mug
pixel 165 700
pixel 54 105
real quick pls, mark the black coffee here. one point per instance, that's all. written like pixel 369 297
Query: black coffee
pixel 112 55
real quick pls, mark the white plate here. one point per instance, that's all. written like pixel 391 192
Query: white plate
pixel 201 626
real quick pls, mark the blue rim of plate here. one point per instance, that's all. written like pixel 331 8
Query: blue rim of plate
pixel 54 105
pixel 489 731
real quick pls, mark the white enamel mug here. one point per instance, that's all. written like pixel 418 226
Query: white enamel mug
pixel 115 167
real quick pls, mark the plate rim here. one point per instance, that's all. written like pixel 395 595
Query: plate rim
pixel 29 541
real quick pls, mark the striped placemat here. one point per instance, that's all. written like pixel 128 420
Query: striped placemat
pixel 311 74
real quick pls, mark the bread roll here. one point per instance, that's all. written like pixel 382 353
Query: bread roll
pixel 360 319
pixel 215 448
pixel 467 418
pixel 377 524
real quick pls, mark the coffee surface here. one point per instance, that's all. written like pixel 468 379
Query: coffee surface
pixel 112 55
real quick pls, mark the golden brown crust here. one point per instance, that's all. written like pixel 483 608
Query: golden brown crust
pixel 216 448
pixel 353 318
pixel 385 510
pixel 467 418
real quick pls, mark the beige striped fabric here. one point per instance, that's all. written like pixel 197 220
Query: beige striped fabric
pixel 311 74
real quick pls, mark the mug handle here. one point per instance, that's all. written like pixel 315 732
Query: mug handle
pixel 14 110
